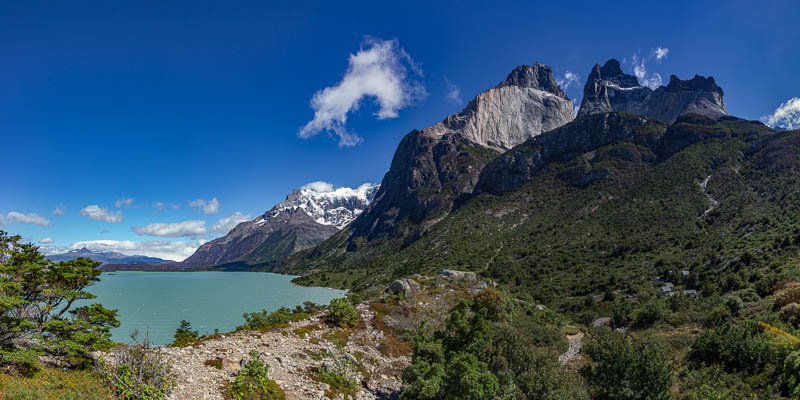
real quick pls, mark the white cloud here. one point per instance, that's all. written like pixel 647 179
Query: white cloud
pixel 125 202
pixel 179 229
pixel 46 241
pixel 60 210
pixel 639 64
pixel 97 213
pixel 226 224
pixel 378 71
pixel 207 207
pixel 318 186
pixel 31 218
pixel 168 250
pixel 786 116
pixel 570 78
pixel 660 53
pixel 453 92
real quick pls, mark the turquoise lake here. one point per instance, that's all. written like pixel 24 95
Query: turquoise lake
pixel 209 300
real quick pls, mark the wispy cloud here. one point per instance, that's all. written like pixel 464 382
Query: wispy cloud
pixel 379 70
pixel 226 224
pixel 60 210
pixel 786 116
pixel 639 65
pixel 98 213
pixel 161 206
pixel 125 202
pixel 568 79
pixel 30 218
pixel 104 231
pixel 191 228
pixel 206 207
pixel 46 241
pixel 167 250
pixel 453 94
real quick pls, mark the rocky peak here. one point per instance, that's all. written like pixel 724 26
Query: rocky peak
pixel 698 83
pixel 526 104
pixel 538 76
pixel 608 89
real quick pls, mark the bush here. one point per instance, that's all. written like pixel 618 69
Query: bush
pixel 36 313
pixel 791 370
pixel 184 335
pixel 790 314
pixel 138 372
pixel 339 374
pixel 265 320
pixel 652 311
pixel 790 295
pixel 343 313
pixel 253 383
pixel 737 347
pixel 622 369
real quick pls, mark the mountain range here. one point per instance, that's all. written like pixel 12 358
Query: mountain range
pixel 641 183
pixel 106 257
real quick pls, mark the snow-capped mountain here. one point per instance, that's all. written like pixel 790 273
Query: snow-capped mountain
pixel 337 207
pixel 306 218
pixel 106 257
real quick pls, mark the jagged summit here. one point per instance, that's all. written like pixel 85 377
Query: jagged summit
pixel 526 104
pixel 336 207
pixel 537 76
pixel 611 71
pixel 609 89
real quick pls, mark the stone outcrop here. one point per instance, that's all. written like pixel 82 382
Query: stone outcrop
pixel 608 89
pixel 403 287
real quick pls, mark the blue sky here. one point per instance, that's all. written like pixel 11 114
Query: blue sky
pixel 185 101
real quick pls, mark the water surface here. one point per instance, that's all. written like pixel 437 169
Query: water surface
pixel 159 300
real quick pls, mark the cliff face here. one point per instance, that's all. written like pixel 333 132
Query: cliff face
pixel 608 89
pixel 527 103
pixel 432 168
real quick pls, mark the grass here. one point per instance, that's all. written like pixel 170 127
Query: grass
pixel 52 384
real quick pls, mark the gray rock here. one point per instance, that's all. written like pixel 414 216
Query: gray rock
pixel 478 287
pixel 403 287
pixel 604 321
pixel 466 276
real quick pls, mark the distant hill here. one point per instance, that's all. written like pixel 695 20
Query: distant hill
pixel 106 257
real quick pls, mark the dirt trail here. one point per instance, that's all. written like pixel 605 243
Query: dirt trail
pixel 575 343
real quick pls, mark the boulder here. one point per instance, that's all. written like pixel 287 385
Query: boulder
pixel 466 276
pixel 404 287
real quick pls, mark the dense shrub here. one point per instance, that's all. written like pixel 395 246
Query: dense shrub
pixel 736 346
pixel 650 312
pixel 791 371
pixel 625 369
pixel 36 308
pixel 138 372
pixel 253 383
pixel 790 314
pixel 184 335
pixel 264 319
pixel 477 354
pixel 789 295
pixel 343 313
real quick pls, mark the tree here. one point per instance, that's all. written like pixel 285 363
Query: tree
pixel 184 335
pixel 343 313
pixel 36 308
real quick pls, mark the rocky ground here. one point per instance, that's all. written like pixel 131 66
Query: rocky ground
pixel 291 357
